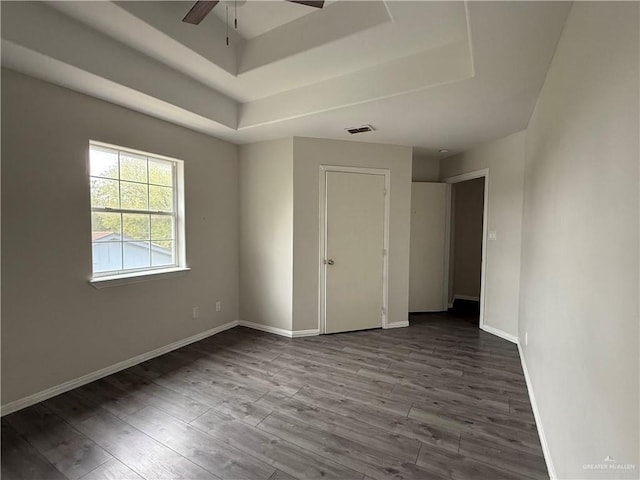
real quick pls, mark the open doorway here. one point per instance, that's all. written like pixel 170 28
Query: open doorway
pixel 466 242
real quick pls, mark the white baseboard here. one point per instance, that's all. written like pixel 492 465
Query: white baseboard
pixel 265 328
pixel 305 333
pixel 465 297
pixel 536 415
pixel 500 333
pixel 103 372
pixel 405 323
pixel 279 331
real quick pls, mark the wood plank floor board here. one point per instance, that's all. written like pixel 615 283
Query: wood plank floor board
pixel 521 408
pixel 337 387
pixel 278 452
pixel 72 406
pixel 150 393
pixel 234 357
pixel 465 363
pixel 246 377
pixel 503 457
pixel 410 428
pixel 110 398
pixel 288 360
pixel 22 461
pixel 344 451
pixel 460 467
pixel 345 379
pixel 147 457
pixel 222 384
pixel 375 438
pixel 474 422
pixel 462 386
pixel 438 400
pixel 112 470
pixel 68 450
pixel 214 455
pixel 331 355
pixel 423 386
pixel 161 365
pixel 280 475
pixel 229 404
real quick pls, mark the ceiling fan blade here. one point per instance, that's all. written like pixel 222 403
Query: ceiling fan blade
pixel 309 3
pixel 199 10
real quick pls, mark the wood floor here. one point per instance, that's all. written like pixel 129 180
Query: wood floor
pixel 440 399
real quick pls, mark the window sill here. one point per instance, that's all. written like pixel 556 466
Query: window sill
pixel 138 277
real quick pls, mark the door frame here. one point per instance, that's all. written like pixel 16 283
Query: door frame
pixel 322 268
pixel 485 217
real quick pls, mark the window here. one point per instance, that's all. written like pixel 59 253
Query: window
pixel 136 205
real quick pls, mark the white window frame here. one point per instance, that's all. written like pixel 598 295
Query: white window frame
pixel 136 275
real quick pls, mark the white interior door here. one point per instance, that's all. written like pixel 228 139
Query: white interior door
pixel 354 251
pixel 427 248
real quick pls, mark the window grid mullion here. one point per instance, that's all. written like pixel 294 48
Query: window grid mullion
pixel 131 181
pixel 124 210
pixel 149 208
pixel 174 223
pixel 121 214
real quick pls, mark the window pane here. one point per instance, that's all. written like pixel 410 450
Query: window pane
pixel 160 172
pixel 136 226
pixel 107 256
pixel 161 227
pixel 103 162
pixel 136 254
pixel 105 227
pixel 134 196
pixel 161 198
pixel 104 193
pixel 162 253
pixel 133 167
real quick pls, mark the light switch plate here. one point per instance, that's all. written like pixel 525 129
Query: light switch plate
pixel 493 235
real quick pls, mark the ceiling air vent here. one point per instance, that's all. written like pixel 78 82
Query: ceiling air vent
pixel 361 129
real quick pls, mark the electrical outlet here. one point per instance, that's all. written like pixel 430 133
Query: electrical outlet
pixel 195 313
pixel 218 306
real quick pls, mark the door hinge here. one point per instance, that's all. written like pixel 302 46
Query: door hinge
pixel 384 312
pixel 384 252
pixel 384 192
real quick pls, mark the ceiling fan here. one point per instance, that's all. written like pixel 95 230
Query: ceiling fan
pixel 201 9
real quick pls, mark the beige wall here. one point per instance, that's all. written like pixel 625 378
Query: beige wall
pixel 579 288
pixel 266 233
pixel 309 154
pixel 425 169
pixel 55 326
pixel 427 249
pixel 468 200
pixel 505 160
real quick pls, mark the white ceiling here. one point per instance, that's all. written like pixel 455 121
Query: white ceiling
pixel 425 74
pixel 258 17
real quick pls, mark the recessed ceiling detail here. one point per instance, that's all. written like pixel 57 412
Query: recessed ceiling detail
pixel 427 73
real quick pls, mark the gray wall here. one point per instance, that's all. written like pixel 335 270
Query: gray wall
pixel 55 326
pixel 266 233
pixel 468 200
pixel 309 154
pixel 579 288
pixel 505 160
pixel 425 169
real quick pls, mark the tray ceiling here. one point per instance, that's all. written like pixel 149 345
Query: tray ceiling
pixel 426 74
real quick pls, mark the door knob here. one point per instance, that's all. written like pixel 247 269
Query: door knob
pixel 330 262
